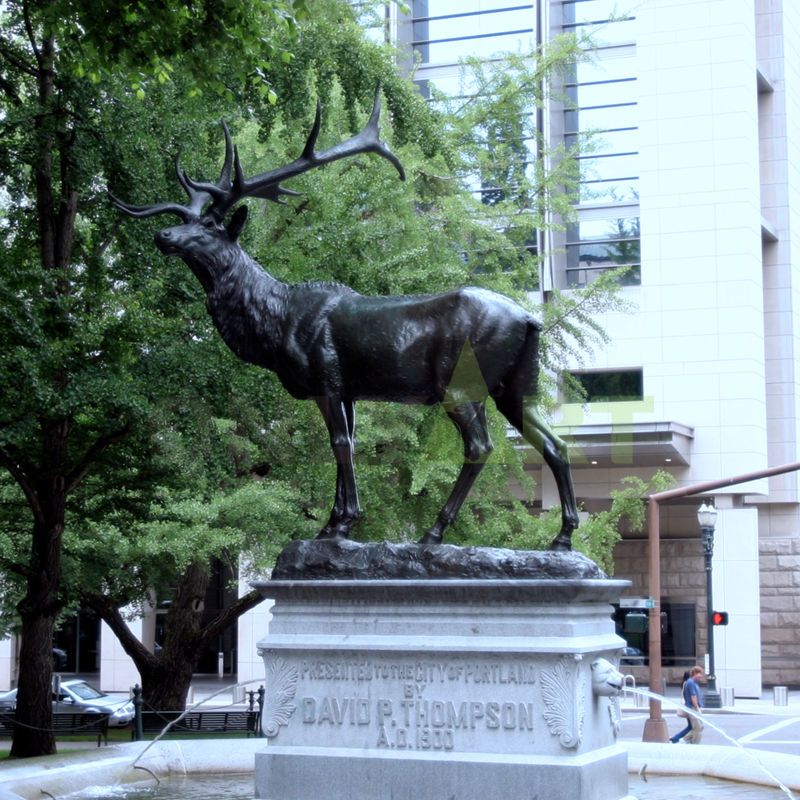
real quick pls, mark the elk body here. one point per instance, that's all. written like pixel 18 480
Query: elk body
pixel 328 343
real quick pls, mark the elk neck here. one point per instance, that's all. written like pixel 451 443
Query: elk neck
pixel 247 305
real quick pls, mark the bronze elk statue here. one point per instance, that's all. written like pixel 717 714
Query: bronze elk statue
pixel 329 343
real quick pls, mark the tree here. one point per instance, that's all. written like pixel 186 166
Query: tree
pixel 357 224
pixel 71 345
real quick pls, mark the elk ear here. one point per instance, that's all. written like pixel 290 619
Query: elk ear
pixel 237 223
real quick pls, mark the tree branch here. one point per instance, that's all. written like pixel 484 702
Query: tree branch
pixel 110 614
pixel 20 475
pixel 15 567
pixel 228 616
pixel 10 91
pixel 93 453
pixel 29 31
pixel 9 55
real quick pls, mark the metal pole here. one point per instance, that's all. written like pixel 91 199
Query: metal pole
pixel 655 728
pixel 138 732
pixel 712 698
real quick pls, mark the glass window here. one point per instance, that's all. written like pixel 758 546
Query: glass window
pixel 609 192
pixel 606 254
pixel 593 230
pixel 625 141
pixel 590 10
pixel 448 86
pixel 607 34
pixel 603 94
pixel 372 20
pixel 438 8
pixel 606 68
pixel 596 245
pixel 443 33
pixel 611 167
pixel 607 386
pixel 604 118
pixel 450 81
pixel 484 46
pixel 578 278
pixel 457 27
pixel 678 634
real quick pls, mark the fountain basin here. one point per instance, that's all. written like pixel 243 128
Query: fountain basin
pixel 112 766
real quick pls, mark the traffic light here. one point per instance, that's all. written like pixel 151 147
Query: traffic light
pixel 719 617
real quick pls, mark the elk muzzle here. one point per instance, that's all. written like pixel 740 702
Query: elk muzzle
pixel 166 241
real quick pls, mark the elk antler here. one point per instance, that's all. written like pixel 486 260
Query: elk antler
pixel 225 193
pixel 197 197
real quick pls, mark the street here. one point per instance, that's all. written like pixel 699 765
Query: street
pixel 776 733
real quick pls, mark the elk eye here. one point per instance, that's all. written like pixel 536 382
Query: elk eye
pixel 209 223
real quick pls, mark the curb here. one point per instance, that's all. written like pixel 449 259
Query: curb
pixel 715 761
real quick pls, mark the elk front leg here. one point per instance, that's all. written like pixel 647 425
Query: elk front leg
pixel 470 419
pixel 339 416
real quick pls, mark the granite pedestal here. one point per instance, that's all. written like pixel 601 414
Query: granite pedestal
pixel 469 689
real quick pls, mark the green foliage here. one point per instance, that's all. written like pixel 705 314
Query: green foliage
pixel 600 531
pixel 598 535
pixel 217 44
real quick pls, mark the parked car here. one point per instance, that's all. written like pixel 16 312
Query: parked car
pixel 632 656
pixel 78 695
pixel 8 701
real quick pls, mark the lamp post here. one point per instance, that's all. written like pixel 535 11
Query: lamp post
pixel 707 517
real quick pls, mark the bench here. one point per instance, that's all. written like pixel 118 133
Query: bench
pixel 200 722
pixel 66 723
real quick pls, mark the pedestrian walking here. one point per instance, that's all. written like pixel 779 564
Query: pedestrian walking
pixel 692 701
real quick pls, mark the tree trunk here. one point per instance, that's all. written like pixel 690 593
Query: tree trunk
pixel 168 687
pixel 33 734
pixel 166 678
pixel 165 687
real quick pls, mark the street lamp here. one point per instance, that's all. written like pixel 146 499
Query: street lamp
pixel 707 517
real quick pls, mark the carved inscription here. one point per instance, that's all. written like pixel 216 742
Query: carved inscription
pixel 421 672
pixel 419 724
pixel 405 705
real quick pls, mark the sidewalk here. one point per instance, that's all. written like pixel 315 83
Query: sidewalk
pixel 741 705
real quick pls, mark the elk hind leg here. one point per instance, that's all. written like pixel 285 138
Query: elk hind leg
pixel 339 416
pixel 527 419
pixel 470 419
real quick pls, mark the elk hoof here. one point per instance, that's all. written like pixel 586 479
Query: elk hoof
pixel 333 532
pixel 431 537
pixel 562 542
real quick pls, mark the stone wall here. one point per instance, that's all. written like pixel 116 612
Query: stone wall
pixel 779 560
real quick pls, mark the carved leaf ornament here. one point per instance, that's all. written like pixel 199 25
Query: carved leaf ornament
pixel 281 688
pixel 563 704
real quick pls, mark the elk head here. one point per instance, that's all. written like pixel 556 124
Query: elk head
pixel 203 238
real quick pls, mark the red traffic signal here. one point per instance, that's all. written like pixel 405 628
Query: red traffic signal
pixel 719 617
